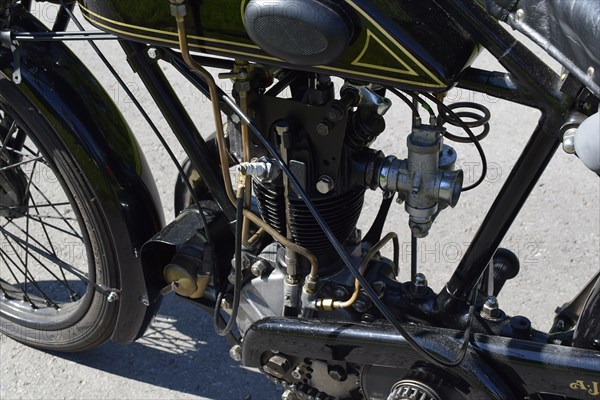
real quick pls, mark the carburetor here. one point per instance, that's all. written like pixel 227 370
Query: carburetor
pixel 426 181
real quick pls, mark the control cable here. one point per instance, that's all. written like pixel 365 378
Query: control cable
pixel 149 121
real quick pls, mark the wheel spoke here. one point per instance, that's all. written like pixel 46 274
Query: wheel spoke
pixel 47 256
pixel 6 259
pixel 11 131
pixel 62 271
pixel 54 208
pixel 38 220
pixel 66 203
pixel 72 294
pixel 20 153
pixel 32 237
pixel 15 165
pixel 35 284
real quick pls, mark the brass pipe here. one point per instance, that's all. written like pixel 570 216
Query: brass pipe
pixel 246 158
pixel 256 236
pixel 314 264
pixel 216 107
pixel 213 89
pixel 330 304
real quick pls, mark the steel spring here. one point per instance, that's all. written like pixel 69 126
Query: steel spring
pixel 469 117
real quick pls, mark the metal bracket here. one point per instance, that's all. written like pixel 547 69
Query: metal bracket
pixel 6 39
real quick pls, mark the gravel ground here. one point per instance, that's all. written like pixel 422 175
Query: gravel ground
pixel 556 236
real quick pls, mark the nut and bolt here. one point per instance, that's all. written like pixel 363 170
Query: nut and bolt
pixel 520 14
pixel 362 304
pixel 419 286
pixel 341 293
pixel 297 373
pixel 325 184
pixel 277 366
pixel 591 72
pixel 112 297
pixel 491 309
pixel 324 127
pixel 337 373
pixel 236 353
pixel 153 53
pixel 289 395
pixel 569 141
pixel 336 112
pixel 225 304
pixel 259 268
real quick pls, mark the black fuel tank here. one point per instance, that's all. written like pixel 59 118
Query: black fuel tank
pixel 404 43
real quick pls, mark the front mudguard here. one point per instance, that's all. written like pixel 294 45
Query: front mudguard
pixel 92 127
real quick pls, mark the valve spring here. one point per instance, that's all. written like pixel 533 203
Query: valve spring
pixel 341 212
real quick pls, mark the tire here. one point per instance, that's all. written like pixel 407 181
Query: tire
pixel 50 223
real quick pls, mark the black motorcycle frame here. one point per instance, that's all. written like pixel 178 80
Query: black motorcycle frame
pixel 529 82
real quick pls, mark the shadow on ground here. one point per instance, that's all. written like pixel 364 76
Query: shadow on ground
pixel 181 352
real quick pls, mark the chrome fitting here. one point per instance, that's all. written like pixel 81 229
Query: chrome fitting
pixel 263 170
pixel 178 8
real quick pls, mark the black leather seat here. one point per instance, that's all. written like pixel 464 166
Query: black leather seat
pixel 572 27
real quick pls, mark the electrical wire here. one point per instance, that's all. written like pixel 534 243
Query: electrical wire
pixel 405 99
pixel 416 98
pixel 385 311
pixel 149 121
pixel 237 284
pixel 472 136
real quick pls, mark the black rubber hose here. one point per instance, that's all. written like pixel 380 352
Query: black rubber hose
pixel 237 285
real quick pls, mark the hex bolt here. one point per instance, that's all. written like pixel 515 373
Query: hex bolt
pixel 289 395
pixel 363 303
pixel 419 286
pixel 277 366
pixel 236 353
pixel 259 268
pixel 491 309
pixel 325 184
pixel 341 293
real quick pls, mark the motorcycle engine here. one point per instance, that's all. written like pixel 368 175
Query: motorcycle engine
pixel 325 142
pixel 287 266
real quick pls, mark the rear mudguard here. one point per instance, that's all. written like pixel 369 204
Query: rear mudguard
pixel 96 133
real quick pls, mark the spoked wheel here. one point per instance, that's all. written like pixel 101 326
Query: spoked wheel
pixel 54 249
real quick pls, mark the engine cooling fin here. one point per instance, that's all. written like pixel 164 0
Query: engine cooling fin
pixel 341 212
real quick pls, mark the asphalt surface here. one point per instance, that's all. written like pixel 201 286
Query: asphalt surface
pixel 556 237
